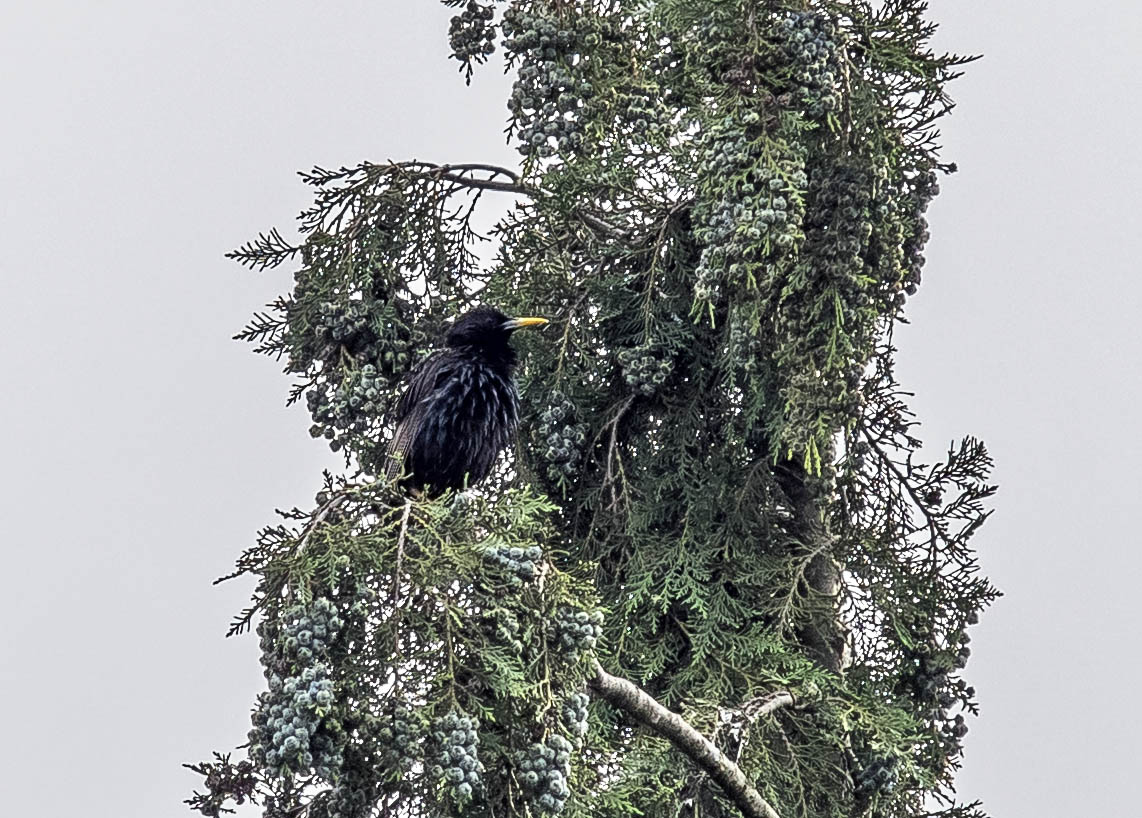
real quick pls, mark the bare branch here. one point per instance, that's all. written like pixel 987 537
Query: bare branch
pixel 464 179
pixel 591 220
pixel 762 706
pixel 321 515
pixel 400 551
pixel 462 174
pixel 641 706
pixel 494 170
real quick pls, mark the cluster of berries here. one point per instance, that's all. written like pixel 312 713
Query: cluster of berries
pixel 520 564
pixel 878 776
pixel 548 92
pixel 643 111
pixel 929 677
pixel 457 760
pixel 353 404
pixel 503 625
pixel 472 35
pixel 839 218
pixel 578 631
pixel 296 726
pixel 809 43
pixel 933 688
pixel 343 801
pixel 361 354
pixel 575 713
pixel 544 770
pixel 356 790
pixel 345 327
pixel 924 188
pixel 963 652
pixel 752 222
pixel 643 368
pixel 400 740
pixel 562 438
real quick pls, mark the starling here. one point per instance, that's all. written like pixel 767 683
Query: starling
pixel 461 406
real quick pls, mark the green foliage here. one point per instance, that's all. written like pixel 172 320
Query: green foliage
pixel 720 206
pixel 394 645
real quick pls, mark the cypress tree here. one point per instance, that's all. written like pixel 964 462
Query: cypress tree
pixel 710 577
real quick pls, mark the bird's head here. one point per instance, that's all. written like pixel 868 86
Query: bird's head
pixel 487 327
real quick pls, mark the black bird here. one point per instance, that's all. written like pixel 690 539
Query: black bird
pixel 461 406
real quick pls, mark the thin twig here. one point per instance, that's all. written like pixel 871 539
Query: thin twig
pixel 749 712
pixel 319 517
pixel 460 174
pixel 933 529
pixel 612 448
pixel 400 551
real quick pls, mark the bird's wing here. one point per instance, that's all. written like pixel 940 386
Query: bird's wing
pixel 412 408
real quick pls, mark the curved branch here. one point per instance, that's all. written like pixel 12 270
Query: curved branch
pixel 320 516
pixel 641 706
pixel 765 705
pixel 462 177
pixel 461 174
pixel 494 170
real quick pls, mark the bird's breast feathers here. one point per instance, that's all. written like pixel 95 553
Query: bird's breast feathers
pixel 479 395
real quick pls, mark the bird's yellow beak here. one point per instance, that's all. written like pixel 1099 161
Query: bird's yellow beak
pixel 517 323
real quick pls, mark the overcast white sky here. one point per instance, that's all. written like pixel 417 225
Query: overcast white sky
pixel 142 448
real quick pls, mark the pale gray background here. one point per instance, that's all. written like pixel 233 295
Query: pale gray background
pixel 142 448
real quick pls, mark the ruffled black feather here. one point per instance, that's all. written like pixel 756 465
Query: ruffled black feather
pixel 460 409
